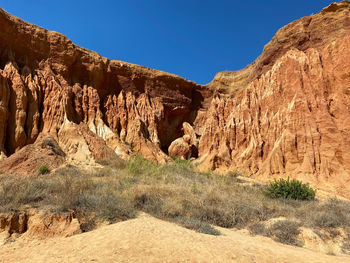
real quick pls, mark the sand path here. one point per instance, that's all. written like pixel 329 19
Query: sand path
pixel 147 239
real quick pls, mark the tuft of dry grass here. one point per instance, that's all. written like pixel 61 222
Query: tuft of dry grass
pixel 286 232
pixel 346 244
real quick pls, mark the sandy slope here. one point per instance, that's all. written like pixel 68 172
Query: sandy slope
pixel 147 239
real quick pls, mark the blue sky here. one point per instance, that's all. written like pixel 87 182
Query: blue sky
pixel 192 38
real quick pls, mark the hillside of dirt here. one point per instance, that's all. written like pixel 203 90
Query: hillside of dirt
pixel 147 239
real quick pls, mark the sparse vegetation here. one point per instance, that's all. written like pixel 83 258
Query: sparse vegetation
pixel 257 228
pixel 197 225
pixel 290 189
pixel 346 245
pixel 114 163
pixel 174 192
pixel 44 169
pixel 285 231
pixel 332 214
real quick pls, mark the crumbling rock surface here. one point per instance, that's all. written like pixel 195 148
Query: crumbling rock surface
pixel 287 114
pixel 32 224
pixel 292 121
pixel 50 86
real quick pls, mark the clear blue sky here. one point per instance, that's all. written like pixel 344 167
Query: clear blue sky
pixel 192 38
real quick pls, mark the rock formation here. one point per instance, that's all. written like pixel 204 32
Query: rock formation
pixel 185 147
pixel 286 114
pixel 49 86
pixel 39 225
pixel 292 118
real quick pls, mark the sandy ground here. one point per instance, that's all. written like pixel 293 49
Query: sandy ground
pixel 147 239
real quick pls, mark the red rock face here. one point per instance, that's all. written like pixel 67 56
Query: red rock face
pixel 287 114
pixel 49 85
pixel 315 31
pixel 293 120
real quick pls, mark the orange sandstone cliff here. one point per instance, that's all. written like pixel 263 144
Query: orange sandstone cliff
pixel 51 87
pixel 286 114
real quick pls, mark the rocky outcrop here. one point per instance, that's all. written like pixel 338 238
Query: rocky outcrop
pixel 185 147
pixel 293 118
pixel 51 87
pixel 30 158
pixel 14 223
pixel 32 224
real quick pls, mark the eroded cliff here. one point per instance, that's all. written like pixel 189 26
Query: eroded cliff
pixel 286 114
pixel 51 87
pixel 289 115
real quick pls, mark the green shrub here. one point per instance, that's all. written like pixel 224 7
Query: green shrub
pixel 290 189
pixel 44 169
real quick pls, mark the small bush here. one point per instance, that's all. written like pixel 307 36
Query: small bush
pixel 290 189
pixel 149 202
pixel 205 228
pixel 285 232
pixel 44 169
pixel 257 228
pixel 87 223
pixel 197 225
pixel 326 219
pixel 234 174
pixel 111 208
pixel 103 172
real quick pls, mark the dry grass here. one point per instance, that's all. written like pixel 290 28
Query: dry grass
pixel 285 231
pixel 172 192
pixel 346 245
pixel 66 190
